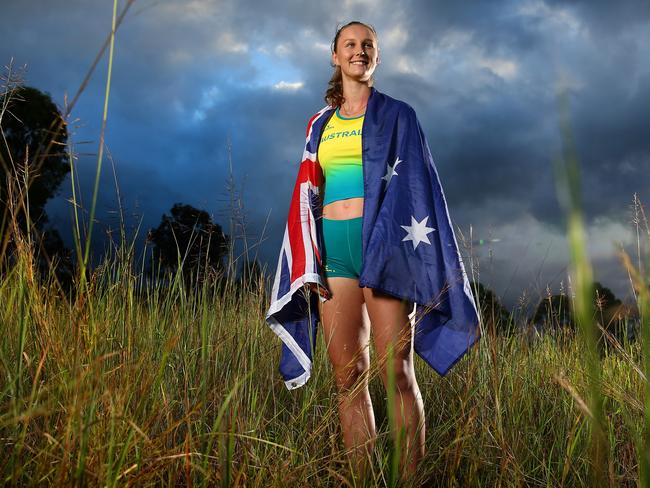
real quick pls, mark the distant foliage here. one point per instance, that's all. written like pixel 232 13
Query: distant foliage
pixel 496 318
pixel 555 312
pixel 188 238
pixel 612 314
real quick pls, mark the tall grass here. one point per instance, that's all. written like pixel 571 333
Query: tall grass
pixel 174 386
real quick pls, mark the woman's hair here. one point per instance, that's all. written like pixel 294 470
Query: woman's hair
pixel 334 93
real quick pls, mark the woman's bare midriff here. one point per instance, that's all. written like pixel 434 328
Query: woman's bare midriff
pixel 350 208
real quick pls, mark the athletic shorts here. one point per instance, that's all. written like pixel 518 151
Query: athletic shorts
pixel 342 242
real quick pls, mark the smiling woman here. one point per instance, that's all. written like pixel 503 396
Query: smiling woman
pixel 356 55
pixel 384 244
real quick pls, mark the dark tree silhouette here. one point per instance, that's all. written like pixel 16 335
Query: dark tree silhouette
pixel 554 312
pixel 52 251
pixel 496 318
pixel 33 156
pixel 36 145
pixel 604 297
pixel 611 313
pixel 189 238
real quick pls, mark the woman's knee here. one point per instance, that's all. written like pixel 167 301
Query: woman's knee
pixel 348 375
pixel 404 378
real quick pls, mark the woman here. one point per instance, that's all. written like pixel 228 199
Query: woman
pixel 384 240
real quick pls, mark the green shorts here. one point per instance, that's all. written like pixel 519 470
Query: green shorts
pixel 342 247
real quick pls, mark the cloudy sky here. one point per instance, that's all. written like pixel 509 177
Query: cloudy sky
pixel 197 83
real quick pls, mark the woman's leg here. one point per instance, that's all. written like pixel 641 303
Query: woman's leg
pixel 391 327
pixel 347 336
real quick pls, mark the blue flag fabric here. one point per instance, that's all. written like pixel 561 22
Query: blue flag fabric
pixel 409 247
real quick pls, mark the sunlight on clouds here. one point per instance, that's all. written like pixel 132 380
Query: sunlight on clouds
pixel 526 247
pixel 282 49
pixel 503 68
pixel 566 81
pixel 178 56
pixel 560 18
pixel 395 38
pixel 272 70
pixel 310 37
pixel 636 163
pixel 189 10
pixel 451 50
pixel 604 236
pixel 226 43
pixel 209 99
pixel 322 46
pixel 457 54
pixel 455 39
pixel 407 65
pixel 444 56
pixel 288 86
pixel 348 4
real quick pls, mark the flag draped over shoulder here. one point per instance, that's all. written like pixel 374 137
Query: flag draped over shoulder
pixel 409 247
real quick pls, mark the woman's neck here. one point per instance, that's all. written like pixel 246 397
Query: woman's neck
pixel 356 98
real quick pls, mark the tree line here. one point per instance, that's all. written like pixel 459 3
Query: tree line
pixel 554 314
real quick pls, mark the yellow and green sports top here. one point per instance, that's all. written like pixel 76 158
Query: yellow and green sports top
pixel 339 154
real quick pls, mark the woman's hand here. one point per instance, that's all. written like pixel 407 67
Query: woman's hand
pixel 315 288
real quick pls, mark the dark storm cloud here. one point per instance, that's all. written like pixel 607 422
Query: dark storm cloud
pixel 506 136
pixel 193 78
pixel 496 25
pixel 606 16
pixel 612 132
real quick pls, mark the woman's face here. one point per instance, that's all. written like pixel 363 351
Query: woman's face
pixel 356 52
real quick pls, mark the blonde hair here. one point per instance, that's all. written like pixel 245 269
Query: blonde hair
pixel 334 93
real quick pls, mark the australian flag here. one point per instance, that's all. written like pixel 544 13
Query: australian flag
pixel 409 247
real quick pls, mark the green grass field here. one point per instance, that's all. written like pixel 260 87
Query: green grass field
pixel 145 386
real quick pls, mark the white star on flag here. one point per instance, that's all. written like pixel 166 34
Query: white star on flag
pixel 417 231
pixel 390 170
